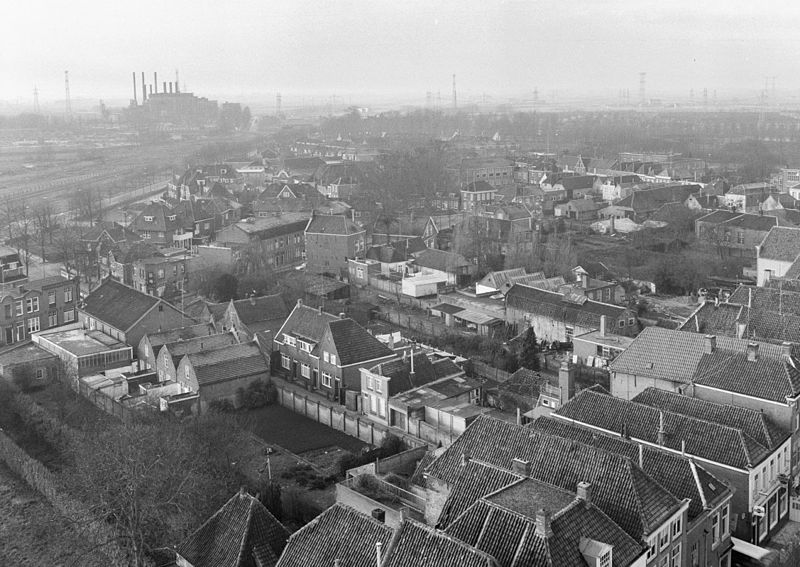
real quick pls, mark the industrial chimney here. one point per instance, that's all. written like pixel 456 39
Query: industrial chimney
pixel 135 94
pixel 155 81
pixel 164 90
pixel 144 89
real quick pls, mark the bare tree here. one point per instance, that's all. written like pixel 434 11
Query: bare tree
pixel 43 222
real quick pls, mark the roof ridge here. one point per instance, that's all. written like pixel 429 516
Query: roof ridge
pixel 246 532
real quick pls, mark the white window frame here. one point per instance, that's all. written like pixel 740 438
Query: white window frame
pixel 379 385
pixel 68 295
pixel 305 370
pixel 33 325
pixel 289 340
pixel 69 315
pixel 663 539
pixel 286 362
pixel 333 359
pixel 676 527
pixel 32 304
pixel 675 556
pixel 327 379
pixel 325 356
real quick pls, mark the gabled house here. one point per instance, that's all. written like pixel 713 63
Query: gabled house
pixel 246 317
pixel 169 355
pixel 454 268
pixel 578 209
pixel 159 223
pixel 642 204
pixel 325 352
pixel 151 343
pixel 575 186
pixel 243 533
pixel 218 374
pixel 738 234
pixel 476 194
pixel 126 314
pixel 559 317
pixel 100 240
pixel 776 253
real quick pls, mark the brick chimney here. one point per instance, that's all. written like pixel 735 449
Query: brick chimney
pixel 710 344
pixel 786 349
pixel 602 325
pixel 520 467
pixel 661 431
pixel 542 523
pixel 752 352
pixel 566 381
pixel 585 492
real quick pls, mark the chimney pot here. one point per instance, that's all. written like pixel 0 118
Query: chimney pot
pixel 566 381
pixel 752 352
pixel 585 492
pixel 661 432
pixel 641 456
pixel 299 302
pixel 542 523
pixel 521 467
pixel 602 325
pixel 342 316
pixel 710 344
pixel 464 458
pixel 786 348
pixel 379 514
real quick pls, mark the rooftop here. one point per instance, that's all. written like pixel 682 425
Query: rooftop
pixel 81 342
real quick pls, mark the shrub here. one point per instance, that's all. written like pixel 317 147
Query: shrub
pixel 392 445
pixel 221 406
pixel 258 394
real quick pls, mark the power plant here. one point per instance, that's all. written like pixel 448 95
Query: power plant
pixel 170 108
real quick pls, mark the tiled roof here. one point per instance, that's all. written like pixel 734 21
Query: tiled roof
pixel 279 224
pixel 242 533
pixel 332 224
pixel 496 279
pixel 782 243
pixel 554 306
pixel 421 546
pixel 475 481
pixel 338 533
pixel 496 526
pixel 673 355
pixel 233 369
pixel 524 382
pixel 180 334
pixel 768 377
pixel 440 260
pixel 767 299
pixel 479 186
pixel 732 320
pixel 179 348
pixel 633 500
pixel 724 444
pixel 681 476
pixel 354 343
pixel 399 372
pixel 718 216
pixel 265 308
pixel 755 423
pixel 752 222
pixel 305 321
pixel 117 304
pixel 649 200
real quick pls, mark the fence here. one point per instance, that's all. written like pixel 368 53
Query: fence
pixel 104 402
pixel 487 371
pixel 335 416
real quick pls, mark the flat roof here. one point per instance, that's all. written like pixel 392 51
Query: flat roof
pixel 476 318
pixel 447 308
pixel 612 341
pixel 81 342
pixel 425 278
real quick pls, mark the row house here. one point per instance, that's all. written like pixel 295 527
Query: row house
pixel 151 343
pixel 12 270
pixel 276 242
pixel 742 447
pixel 325 352
pixel 36 306
pixel 476 465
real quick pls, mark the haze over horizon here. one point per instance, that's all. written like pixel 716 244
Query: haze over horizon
pixel 247 49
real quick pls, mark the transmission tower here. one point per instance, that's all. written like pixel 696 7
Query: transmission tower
pixel 36 109
pixel 278 104
pixel 455 96
pixel 67 101
pixel 642 78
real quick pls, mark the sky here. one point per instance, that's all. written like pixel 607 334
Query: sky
pixel 246 49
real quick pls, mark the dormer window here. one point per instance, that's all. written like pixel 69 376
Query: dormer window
pixel 148 219
pixel 305 346
pixel 171 217
pixel 289 340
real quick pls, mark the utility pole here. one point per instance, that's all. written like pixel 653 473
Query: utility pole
pixel 67 101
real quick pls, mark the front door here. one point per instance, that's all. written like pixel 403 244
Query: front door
pixel 314 375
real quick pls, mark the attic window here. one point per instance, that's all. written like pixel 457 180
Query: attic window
pixel 148 219
pixel 171 217
pixel 649 365
pixel 304 346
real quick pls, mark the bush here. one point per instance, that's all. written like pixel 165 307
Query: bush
pixel 25 378
pixel 221 406
pixel 258 394
pixel 392 445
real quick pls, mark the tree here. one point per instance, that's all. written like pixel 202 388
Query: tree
pixel 225 287
pixel 529 355
pixel 270 497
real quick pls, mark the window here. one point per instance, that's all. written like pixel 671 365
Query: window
pixel 378 385
pixel 663 539
pixel 9 314
pixel 725 560
pixel 148 219
pixel 69 315
pixel 286 362
pixel 333 358
pixel 381 407
pixel 19 310
pixel 41 373
pixel 715 529
pixel 325 356
pixel 305 371
pixel 739 237
pixel 326 379
pixel 773 511
pixel 675 529
pixel 605 559
pixel 161 273
pixel 783 502
pixel 33 325
pixel 32 304
pixel 186 371
pixel 370 383
pixel 20 331
pixel 675 556
pixel 51 297
pixel 305 347
pixel 373 404
pixel 695 555
pixel 52 319
pixel 289 340
pixel 569 331
pixel 630 322
pixel 622 323
pixel 68 295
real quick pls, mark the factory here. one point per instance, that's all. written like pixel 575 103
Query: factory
pixel 169 109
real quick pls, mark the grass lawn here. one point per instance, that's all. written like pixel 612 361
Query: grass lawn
pixel 281 426
pixel 70 407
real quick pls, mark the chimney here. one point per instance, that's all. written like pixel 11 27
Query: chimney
pixel 602 325
pixel 155 81
pixel 299 302
pixel 412 361
pixel 151 90
pixel 464 459
pixel 520 467
pixel 741 328
pixel 542 523
pixel 342 316
pixel 710 344
pixel 144 89
pixel 164 89
pixel 566 381
pixel 585 492
pixel 135 94
pixel 683 447
pixel 786 349
pixel 584 280
pixel 170 87
pixel 379 514
pixel 641 456
pixel 378 558
pixel 752 352
pixel 661 432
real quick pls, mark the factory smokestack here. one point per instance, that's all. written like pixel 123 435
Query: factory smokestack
pixel 155 81
pixel 151 90
pixel 165 87
pixel 177 88
pixel 144 89
pixel 135 94
pixel 170 87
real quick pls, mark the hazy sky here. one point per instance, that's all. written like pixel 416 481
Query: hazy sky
pixel 229 49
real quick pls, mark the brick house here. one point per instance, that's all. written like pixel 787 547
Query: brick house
pixel 127 314
pixel 151 343
pixel 777 253
pixel 325 352
pixel 219 373
pixel 331 240
pixel 246 317
pixel 277 240
pixel 169 355
pixel 738 234
pixel 36 306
